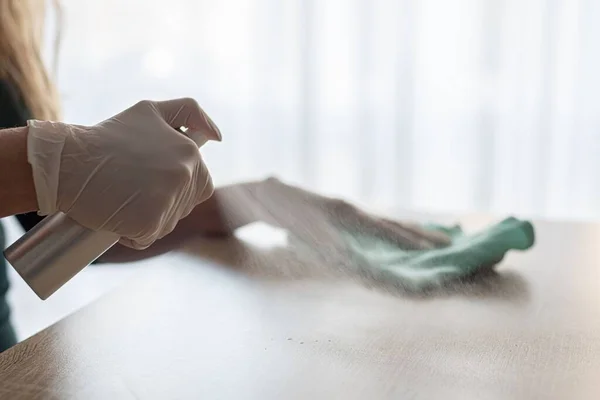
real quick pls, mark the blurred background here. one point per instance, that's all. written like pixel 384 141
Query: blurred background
pixel 440 105
pixel 428 105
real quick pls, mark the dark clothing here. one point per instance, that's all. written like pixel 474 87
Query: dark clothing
pixel 13 113
pixel 7 333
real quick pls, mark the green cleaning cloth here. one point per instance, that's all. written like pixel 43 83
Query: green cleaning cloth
pixel 427 269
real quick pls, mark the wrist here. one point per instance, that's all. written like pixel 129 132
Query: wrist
pixel 45 143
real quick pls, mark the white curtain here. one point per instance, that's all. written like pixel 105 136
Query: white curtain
pixel 441 105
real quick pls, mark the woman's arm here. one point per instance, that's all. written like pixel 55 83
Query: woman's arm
pixel 229 208
pixel 308 215
pixel 17 192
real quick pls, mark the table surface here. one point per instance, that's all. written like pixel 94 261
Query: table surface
pixel 231 320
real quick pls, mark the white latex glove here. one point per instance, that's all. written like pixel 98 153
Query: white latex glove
pixel 134 174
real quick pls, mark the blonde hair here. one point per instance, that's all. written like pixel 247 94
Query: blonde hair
pixel 21 38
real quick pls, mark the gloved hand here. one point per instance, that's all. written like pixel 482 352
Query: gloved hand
pixel 134 174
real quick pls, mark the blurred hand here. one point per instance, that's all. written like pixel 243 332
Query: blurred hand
pixel 319 219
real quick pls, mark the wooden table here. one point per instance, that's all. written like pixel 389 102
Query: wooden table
pixel 227 320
